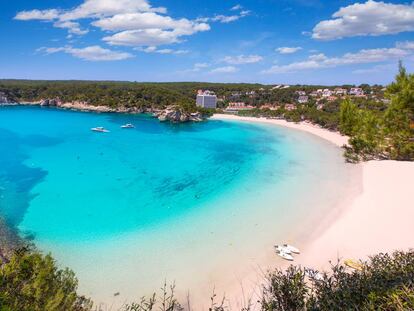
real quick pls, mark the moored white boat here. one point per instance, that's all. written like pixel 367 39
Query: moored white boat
pixel 99 129
pixel 127 126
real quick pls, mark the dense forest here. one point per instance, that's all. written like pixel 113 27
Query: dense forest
pixel 138 94
pixel 113 94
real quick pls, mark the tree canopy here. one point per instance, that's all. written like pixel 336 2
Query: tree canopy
pixel 30 281
pixel 382 135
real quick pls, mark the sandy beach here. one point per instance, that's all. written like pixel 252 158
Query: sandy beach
pixel 333 137
pixel 378 219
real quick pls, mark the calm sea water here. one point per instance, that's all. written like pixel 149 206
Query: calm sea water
pixel 130 208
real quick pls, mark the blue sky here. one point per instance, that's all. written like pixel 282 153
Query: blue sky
pixel 265 41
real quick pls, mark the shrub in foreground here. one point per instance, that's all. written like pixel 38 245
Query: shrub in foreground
pixel 30 281
pixel 384 282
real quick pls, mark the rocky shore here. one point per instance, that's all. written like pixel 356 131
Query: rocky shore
pixel 176 114
pixel 173 113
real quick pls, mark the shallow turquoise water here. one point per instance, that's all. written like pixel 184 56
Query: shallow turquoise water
pixel 123 204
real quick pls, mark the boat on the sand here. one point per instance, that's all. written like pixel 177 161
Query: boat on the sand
pixel 285 255
pixel 291 248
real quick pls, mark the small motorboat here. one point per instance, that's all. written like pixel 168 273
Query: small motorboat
pixel 99 129
pixel 127 126
pixel 291 248
pixel 280 248
pixel 285 255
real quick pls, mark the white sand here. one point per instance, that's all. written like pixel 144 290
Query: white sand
pixel 333 137
pixel 378 219
pixel 381 219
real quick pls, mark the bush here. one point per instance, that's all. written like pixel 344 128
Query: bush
pixel 285 291
pixel 30 281
pixel 385 282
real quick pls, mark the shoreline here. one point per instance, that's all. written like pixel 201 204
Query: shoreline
pixel 376 219
pixel 170 113
pixel 331 136
pixel 74 106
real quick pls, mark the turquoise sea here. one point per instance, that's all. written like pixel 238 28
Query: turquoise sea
pixel 129 209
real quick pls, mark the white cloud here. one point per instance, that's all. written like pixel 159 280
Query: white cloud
pixel 242 59
pixel 135 22
pixel 99 8
pixel 197 67
pixel 144 37
pixel 364 56
pixel 201 65
pixel 225 19
pixel 90 53
pixel 225 69
pixel 72 27
pixel 409 45
pixel 154 49
pixel 318 57
pixel 376 69
pixel 152 36
pixel 146 20
pixel 46 15
pixel 371 18
pixel 245 13
pixel 147 29
pixel 288 50
pixel 237 7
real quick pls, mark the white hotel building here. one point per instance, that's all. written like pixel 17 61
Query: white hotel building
pixel 206 99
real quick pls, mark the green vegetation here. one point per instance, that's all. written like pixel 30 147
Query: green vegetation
pixel 385 282
pixel 144 95
pixel 385 134
pixel 112 93
pixel 324 118
pixel 30 281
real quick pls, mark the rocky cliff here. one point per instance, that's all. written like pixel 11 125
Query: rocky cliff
pixel 176 114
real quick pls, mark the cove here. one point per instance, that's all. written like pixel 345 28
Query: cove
pixel 194 203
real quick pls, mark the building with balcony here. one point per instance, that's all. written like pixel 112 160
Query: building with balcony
pixel 206 99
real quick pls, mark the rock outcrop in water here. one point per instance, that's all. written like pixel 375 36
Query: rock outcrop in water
pixel 3 98
pixel 176 114
pixel 50 102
